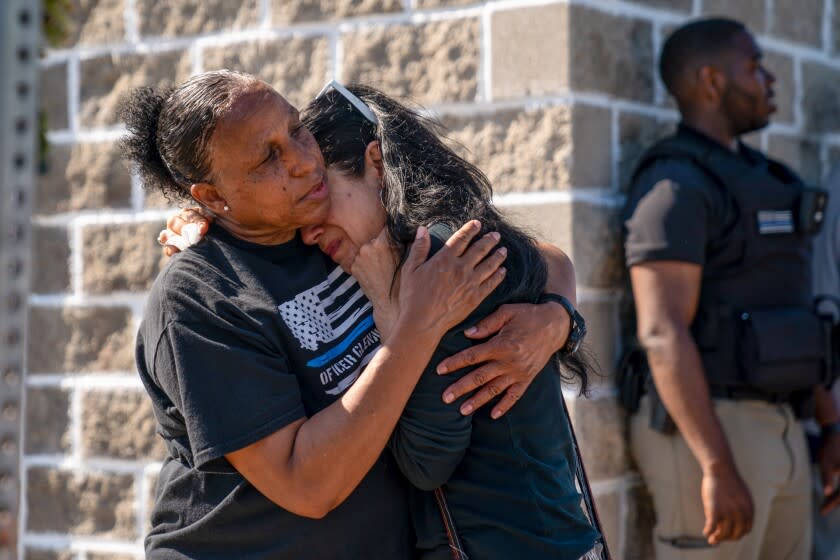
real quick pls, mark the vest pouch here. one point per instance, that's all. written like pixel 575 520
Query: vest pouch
pixel 782 350
pixel 811 214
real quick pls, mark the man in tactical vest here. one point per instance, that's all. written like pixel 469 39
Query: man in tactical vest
pixel 718 243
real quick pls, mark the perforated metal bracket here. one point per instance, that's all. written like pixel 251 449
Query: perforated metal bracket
pixel 20 36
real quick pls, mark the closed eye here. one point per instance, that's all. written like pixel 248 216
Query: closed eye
pixel 273 153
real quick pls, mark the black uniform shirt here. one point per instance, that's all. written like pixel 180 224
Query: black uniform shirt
pixel 676 211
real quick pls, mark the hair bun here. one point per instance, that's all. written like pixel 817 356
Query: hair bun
pixel 141 111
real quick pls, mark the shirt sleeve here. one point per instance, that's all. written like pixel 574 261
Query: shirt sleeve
pixel 229 387
pixel 668 215
pixel 431 436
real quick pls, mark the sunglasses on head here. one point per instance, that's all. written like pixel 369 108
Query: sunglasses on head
pixel 349 96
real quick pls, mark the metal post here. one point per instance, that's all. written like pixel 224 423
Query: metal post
pixel 20 36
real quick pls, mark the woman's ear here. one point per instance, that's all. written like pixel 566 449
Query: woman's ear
pixel 209 196
pixel 373 158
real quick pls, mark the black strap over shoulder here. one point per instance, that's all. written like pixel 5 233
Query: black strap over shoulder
pixel 681 148
pixel 704 155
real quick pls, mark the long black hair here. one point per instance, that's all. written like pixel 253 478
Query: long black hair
pixel 426 183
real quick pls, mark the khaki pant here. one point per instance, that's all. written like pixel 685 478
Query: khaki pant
pixel 772 457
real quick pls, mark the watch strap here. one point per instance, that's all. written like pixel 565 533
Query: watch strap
pixel 578 325
pixel 562 300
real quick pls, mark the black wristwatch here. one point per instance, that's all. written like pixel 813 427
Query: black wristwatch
pixel 578 328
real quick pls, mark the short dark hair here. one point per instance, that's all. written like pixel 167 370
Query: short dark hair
pixel 695 43
pixel 169 130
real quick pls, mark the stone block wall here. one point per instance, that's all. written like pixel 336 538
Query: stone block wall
pixel 553 99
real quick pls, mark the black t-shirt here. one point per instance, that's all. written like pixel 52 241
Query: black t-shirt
pixel 238 341
pixel 676 211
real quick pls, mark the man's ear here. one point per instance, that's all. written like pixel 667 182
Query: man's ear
pixel 209 196
pixel 373 157
pixel 712 84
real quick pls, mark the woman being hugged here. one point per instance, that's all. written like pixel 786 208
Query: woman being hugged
pixel 509 483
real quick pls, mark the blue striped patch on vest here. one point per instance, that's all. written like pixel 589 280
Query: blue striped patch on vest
pixel 775 221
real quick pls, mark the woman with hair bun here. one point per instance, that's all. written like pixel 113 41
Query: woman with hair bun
pixel 271 387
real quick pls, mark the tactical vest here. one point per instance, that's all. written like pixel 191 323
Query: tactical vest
pixel 755 326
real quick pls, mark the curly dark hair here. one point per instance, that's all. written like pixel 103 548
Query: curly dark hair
pixel 169 130
pixel 425 183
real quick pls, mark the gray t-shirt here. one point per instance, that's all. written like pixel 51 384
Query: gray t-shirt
pixel 238 341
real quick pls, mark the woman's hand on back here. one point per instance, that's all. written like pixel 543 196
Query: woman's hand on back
pixel 438 293
pixel 525 338
pixel 184 229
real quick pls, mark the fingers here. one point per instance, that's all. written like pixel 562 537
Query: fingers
pixel 419 249
pixel 731 526
pixel 828 476
pixel 722 532
pixel 186 216
pixel 478 251
pixel 492 263
pixel 491 324
pixel 831 487
pixel 710 526
pixel 512 395
pixel 490 382
pixel 485 394
pixel 831 502
pixel 487 286
pixel 471 356
pixel 460 240
pixel 172 242
pixel 183 230
pixel 470 382
pixel 740 525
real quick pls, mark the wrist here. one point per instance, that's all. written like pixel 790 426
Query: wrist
pixel 411 325
pixel 558 321
pixel 576 324
pixel 718 468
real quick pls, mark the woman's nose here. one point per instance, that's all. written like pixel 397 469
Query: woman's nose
pixel 311 234
pixel 306 160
